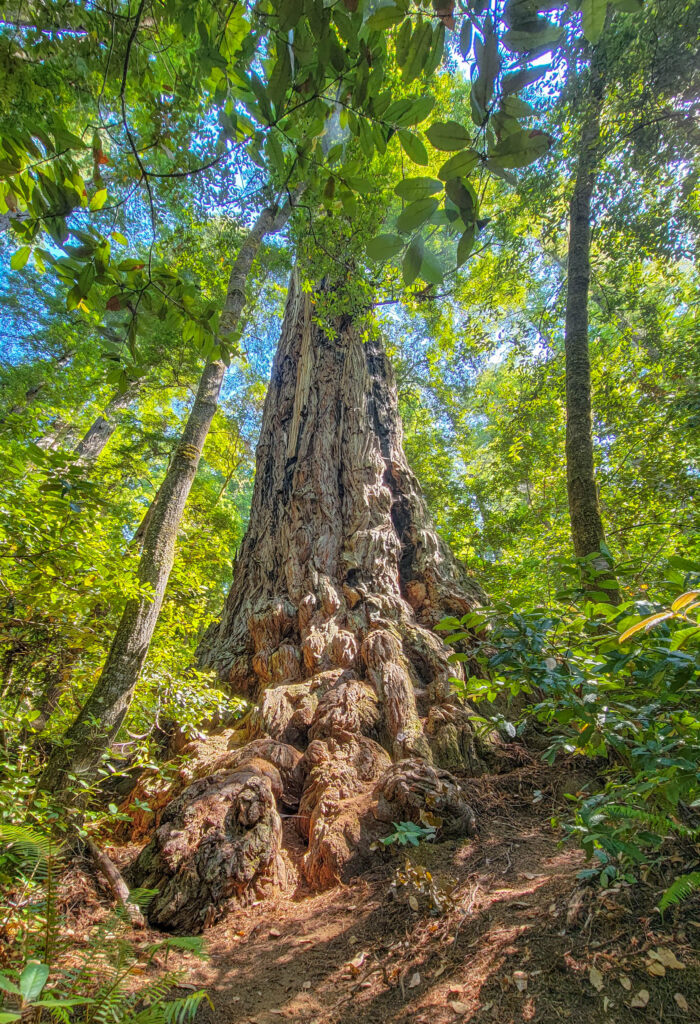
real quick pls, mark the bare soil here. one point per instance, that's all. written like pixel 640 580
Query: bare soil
pixel 515 937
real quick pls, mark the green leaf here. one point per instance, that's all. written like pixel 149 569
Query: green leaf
pixel 385 17
pixel 418 51
pixel 465 38
pixel 19 258
pixel 520 79
pixel 447 135
pixel 463 196
pixel 403 42
pixel 629 6
pixel 6 1016
pixel 521 148
pixel 459 166
pixel 488 63
pixel 516 107
pixel 544 36
pixel 32 980
pixel 99 199
pixel 430 270
pixel 417 112
pixel 593 18
pixel 417 188
pixel 412 260
pixel 413 148
pixel 465 245
pixel 383 247
pixel 8 986
pixel 416 214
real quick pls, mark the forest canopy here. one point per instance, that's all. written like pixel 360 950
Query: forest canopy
pixel 349 410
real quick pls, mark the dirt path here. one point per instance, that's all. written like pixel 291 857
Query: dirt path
pixel 518 940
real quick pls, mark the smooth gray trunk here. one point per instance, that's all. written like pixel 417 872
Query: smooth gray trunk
pixel 103 713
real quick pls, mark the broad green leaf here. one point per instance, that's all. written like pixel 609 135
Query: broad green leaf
pixel 542 37
pixel 385 17
pixel 403 41
pixel 411 264
pixel 99 199
pixel 417 112
pixel 465 245
pixel 521 148
pixel 488 63
pixel 417 188
pixel 465 37
pixel 447 135
pixel 19 259
pixel 629 6
pixel 520 79
pixel 8 986
pixel 593 18
pixel 516 107
pixel 463 196
pixel 418 52
pixel 32 980
pixel 459 166
pixel 416 214
pixel 430 269
pixel 383 247
pixel 413 148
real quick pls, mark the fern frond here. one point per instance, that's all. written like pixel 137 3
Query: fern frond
pixel 683 887
pixel 183 1011
pixel 38 846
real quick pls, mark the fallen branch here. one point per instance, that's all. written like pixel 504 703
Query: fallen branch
pixel 119 888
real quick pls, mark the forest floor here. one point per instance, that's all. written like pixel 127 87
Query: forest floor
pixel 517 937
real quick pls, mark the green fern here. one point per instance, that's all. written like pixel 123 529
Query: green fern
pixel 683 887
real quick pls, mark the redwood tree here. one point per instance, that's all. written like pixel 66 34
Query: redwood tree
pixel 329 631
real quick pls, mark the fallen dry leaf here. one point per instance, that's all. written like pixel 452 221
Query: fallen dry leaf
pixel 440 970
pixel 415 980
pixel 656 969
pixel 520 979
pixel 626 983
pixel 413 902
pixel 596 979
pixel 667 958
pixel 306 985
pixel 640 999
pixel 681 1001
pixel 458 1007
pixel 274 933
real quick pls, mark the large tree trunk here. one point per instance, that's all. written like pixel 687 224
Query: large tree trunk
pixel 105 709
pixel 584 509
pixel 328 629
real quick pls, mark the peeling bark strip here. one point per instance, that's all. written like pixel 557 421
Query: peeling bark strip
pixel 328 628
pixel 106 707
pixel 586 523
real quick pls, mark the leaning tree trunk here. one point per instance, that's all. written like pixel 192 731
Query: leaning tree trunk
pixel 587 530
pixel 100 718
pixel 328 630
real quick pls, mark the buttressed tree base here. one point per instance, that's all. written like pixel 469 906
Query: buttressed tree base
pixel 329 631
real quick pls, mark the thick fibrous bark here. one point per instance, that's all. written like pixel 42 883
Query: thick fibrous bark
pixel 586 523
pixel 328 624
pixel 104 711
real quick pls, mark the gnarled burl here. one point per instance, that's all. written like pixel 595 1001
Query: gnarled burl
pixel 328 631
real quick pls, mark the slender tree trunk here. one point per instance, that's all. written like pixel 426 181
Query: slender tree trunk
pixel 328 629
pixel 93 442
pixel 584 509
pixel 103 713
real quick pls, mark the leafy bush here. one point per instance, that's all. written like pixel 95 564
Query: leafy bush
pixel 615 682
pixel 99 983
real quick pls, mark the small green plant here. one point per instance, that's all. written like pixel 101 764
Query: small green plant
pixel 408 833
pixel 100 986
